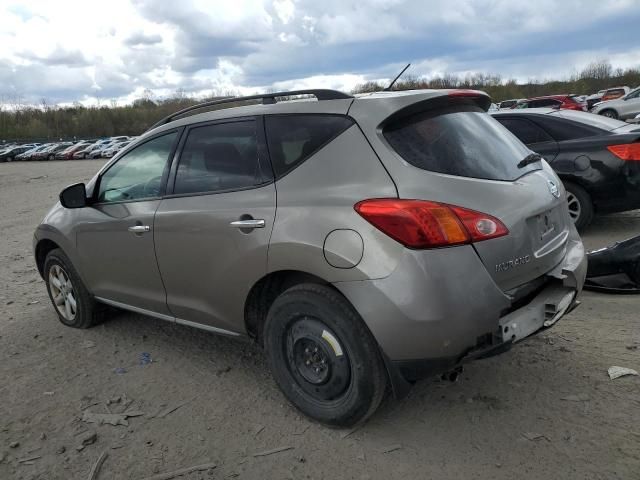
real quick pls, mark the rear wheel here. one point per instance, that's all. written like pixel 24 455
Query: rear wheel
pixel 73 303
pixel 580 205
pixel 609 113
pixel 323 357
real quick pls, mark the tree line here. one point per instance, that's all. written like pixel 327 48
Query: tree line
pixel 46 122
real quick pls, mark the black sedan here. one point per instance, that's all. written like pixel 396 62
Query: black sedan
pixel 597 158
pixel 9 154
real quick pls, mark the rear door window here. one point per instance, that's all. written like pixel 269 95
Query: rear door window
pixel 219 157
pixel 459 140
pixel 525 130
pixel 294 138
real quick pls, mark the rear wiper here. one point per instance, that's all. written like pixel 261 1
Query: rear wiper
pixel 529 159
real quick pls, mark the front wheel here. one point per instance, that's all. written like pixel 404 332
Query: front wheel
pixel 609 114
pixel 73 303
pixel 580 205
pixel 9 159
pixel 323 357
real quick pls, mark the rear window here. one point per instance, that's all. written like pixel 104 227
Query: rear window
pixel 459 140
pixel 294 138
pixel 615 92
pixel 597 121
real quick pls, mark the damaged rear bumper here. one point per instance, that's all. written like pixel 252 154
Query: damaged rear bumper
pixel 458 316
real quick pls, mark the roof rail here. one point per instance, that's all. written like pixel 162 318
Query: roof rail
pixel 267 99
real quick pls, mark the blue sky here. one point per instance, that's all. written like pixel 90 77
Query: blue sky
pixel 94 51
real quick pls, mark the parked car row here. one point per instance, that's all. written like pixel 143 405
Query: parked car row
pixel 619 103
pixel 104 148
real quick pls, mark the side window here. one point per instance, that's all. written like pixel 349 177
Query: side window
pixel 219 157
pixel 138 174
pixel 525 130
pixel 545 102
pixel 565 130
pixel 294 138
pixel 634 94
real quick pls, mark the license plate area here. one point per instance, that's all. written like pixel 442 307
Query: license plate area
pixel 548 226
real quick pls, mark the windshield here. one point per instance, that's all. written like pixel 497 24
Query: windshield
pixel 460 140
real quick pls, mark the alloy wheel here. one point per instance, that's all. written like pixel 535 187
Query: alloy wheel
pixel 575 209
pixel 62 292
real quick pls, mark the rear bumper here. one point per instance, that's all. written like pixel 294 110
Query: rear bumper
pixel 441 308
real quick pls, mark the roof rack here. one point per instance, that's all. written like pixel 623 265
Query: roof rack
pixel 267 99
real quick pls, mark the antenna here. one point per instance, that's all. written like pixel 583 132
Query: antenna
pixel 396 79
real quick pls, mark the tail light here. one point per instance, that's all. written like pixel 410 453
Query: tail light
pixel 423 224
pixel 629 151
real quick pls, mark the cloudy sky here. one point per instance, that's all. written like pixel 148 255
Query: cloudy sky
pixel 90 50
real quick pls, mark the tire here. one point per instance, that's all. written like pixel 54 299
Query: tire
pixel 323 357
pixel 51 157
pixel 580 205
pixel 87 312
pixel 9 159
pixel 609 113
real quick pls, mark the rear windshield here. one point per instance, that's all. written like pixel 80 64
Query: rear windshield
pixel 459 140
pixel 598 121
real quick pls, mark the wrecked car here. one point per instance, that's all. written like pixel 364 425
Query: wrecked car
pixel 363 241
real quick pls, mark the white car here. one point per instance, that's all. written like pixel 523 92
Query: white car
pixel 623 108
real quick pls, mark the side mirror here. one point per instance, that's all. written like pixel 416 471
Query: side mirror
pixel 74 196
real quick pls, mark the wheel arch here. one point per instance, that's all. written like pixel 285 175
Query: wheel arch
pixel 43 247
pixel 601 112
pixel 266 290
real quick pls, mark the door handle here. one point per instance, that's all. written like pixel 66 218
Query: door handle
pixel 139 228
pixel 252 223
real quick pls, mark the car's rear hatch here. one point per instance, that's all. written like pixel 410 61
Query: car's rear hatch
pixel 457 154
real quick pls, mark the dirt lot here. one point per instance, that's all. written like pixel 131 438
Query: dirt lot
pixel 546 409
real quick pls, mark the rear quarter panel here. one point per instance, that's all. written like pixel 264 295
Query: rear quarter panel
pixel 318 197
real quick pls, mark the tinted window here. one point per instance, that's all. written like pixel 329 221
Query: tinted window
pixel 508 103
pixel 294 138
pixel 564 129
pixel 544 102
pixel 461 141
pixel 138 174
pixel 219 157
pixel 525 130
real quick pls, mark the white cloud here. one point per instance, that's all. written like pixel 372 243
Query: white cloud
pixel 71 50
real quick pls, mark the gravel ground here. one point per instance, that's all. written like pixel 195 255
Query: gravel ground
pixel 546 409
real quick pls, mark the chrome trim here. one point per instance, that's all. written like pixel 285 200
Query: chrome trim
pixel 139 228
pixel 167 318
pixel 253 223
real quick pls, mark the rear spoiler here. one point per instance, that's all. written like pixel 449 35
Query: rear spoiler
pixel 475 98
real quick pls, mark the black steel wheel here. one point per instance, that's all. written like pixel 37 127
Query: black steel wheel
pixel 323 357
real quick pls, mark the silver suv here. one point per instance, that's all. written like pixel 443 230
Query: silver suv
pixel 364 242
